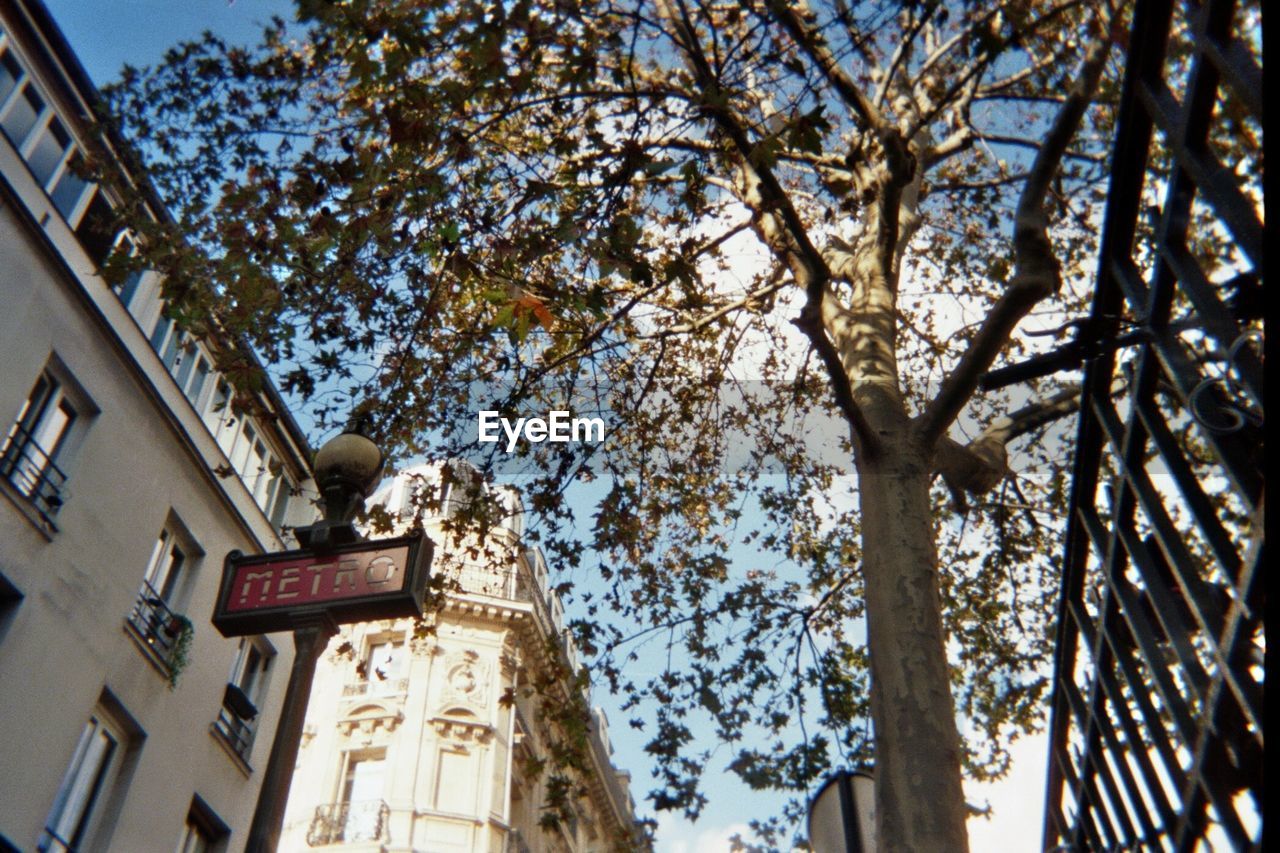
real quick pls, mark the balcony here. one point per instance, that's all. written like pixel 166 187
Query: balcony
pixel 483 579
pixel 163 634
pixel 376 687
pixel 237 723
pixel 349 823
pixel 31 471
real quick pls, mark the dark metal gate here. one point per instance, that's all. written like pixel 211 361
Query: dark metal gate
pixel 1156 729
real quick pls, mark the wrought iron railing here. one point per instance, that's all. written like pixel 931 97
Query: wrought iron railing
pixel 483 579
pixel 237 733
pixel 376 687
pixel 1156 730
pixel 346 823
pixel 31 471
pixel 156 625
pixel 237 721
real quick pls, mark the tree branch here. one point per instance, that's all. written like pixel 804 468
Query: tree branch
pixel 809 41
pixel 980 465
pixel 1036 273
pixel 729 308
pixel 810 322
pixel 770 204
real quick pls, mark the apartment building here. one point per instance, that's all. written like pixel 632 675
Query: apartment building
pixel 127 473
pixel 431 740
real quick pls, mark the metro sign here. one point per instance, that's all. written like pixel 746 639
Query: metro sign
pixel 379 579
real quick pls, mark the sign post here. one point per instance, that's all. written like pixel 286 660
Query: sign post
pixel 334 578
pixel 311 591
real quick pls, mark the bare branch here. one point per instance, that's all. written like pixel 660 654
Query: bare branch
pixel 770 202
pixel 980 465
pixel 810 42
pixel 1036 273
pixel 702 322
pixel 900 54
pixel 1002 139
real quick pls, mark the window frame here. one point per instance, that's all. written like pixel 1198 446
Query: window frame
pixel 24 457
pixel 42 125
pixel 94 806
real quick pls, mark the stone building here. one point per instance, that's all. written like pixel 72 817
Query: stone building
pixel 431 740
pixel 126 474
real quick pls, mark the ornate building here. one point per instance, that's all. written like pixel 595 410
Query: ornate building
pixel 431 739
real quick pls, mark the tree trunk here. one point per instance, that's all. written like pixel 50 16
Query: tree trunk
pixel 919 798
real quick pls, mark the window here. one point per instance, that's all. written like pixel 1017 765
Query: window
pixel 167 560
pixel 49 151
pixel 39 439
pixel 96 230
pixel 240 452
pixel 195 838
pixel 40 137
pixel 360 813
pixel 237 719
pixel 381 670
pixel 69 187
pixel 218 416
pixel 21 113
pixel 155 621
pixel 361 801
pixel 97 767
pixel 385 660
pixel 204 831
pixel 10 73
pixel 126 288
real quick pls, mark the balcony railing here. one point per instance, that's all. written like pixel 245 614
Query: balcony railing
pixel 376 687
pixel 481 579
pixel 237 722
pixel 31 471
pixel 157 626
pixel 346 823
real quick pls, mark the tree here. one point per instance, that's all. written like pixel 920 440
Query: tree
pixel 417 204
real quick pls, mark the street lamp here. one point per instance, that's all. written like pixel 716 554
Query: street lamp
pixel 842 816
pixel 346 468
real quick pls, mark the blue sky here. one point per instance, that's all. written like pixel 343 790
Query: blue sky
pixel 109 33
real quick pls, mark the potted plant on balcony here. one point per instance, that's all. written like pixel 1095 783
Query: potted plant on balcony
pixel 179 627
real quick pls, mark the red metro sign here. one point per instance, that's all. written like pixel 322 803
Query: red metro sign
pixel 380 579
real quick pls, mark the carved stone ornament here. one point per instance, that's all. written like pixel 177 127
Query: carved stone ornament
pixel 367 720
pixel 462 730
pixel 466 680
pixel 423 647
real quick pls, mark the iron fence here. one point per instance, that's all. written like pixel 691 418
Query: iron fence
pixel 1156 728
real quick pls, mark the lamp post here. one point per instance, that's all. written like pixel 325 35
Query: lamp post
pixel 346 468
pixel 842 815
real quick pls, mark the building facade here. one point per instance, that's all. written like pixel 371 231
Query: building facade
pixel 127 472
pixel 433 737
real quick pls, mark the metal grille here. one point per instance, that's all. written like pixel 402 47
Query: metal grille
pixel 349 823
pixel 156 625
pixel 31 470
pixel 1156 728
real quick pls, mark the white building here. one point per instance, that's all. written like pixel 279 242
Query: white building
pixel 126 474
pixel 434 740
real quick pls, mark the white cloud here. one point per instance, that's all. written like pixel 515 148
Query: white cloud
pixel 677 835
